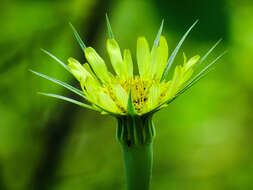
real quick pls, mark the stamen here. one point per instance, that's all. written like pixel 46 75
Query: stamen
pixel 140 90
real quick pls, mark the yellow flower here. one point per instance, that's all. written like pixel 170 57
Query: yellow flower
pixel 124 93
pixel 111 92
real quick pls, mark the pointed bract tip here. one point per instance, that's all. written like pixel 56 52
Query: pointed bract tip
pixel 196 21
pixel 71 25
pixel 32 71
pixel 77 36
pixel 224 53
pixel 156 42
pixel 162 23
pixel 130 105
pixel 174 53
pixel 109 28
pixel 43 50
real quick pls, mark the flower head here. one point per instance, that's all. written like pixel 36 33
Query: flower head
pixel 123 92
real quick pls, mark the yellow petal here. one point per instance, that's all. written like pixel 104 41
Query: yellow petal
pixel 128 62
pixel 92 88
pixel 185 59
pixel 116 58
pixel 143 56
pixel 88 68
pixel 153 97
pixel 175 82
pixel 97 64
pixel 192 62
pixel 96 95
pixel 105 101
pixel 121 95
pixel 187 75
pixel 78 70
pixel 154 61
pixel 159 58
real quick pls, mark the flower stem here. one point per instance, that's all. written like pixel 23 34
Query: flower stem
pixel 138 165
pixel 136 136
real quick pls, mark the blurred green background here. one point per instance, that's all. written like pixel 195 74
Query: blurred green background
pixel 204 139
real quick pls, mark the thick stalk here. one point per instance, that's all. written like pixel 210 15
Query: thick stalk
pixel 138 165
pixel 136 136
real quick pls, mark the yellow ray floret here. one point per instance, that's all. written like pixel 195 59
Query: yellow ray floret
pixel 110 92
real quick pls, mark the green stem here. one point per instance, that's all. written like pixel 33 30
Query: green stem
pixel 136 136
pixel 138 165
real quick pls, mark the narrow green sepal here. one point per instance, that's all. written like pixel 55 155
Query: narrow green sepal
pixel 156 42
pixel 109 28
pixel 208 66
pixel 56 59
pixel 68 100
pixel 130 105
pixel 209 51
pixel 174 53
pixel 78 38
pixel 65 85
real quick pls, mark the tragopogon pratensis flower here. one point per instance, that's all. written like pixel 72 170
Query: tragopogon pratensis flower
pixel 124 92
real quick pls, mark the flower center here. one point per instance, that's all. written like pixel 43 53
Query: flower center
pixel 140 89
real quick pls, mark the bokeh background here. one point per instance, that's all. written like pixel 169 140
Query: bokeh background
pixel 204 139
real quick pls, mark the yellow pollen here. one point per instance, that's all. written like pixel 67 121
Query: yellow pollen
pixel 140 89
